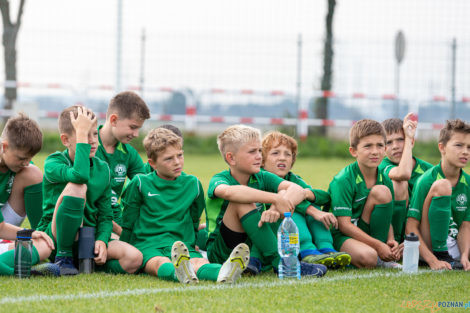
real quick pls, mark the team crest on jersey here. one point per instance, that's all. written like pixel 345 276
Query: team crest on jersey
pixel 461 199
pixel 120 172
pixel 10 184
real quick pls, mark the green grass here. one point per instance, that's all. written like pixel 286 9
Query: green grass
pixel 339 291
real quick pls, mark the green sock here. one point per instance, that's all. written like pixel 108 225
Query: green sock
pixel 209 271
pixel 380 220
pixel 262 237
pixel 166 271
pixel 68 220
pixel 399 219
pixel 439 217
pixel 33 204
pixel 305 238
pixel 201 239
pixel 7 261
pixel 321 236
pixel 113 267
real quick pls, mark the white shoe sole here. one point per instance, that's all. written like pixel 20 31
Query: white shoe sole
pixel 183 268
pixel 232 269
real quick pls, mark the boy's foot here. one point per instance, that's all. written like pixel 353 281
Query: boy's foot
pixel 183 268
pixel 235 264
pixel 389 264
pixel 324 259
pixel 308 269
pixel 45 269
pixel 254 267
pixel 66 266
pixel 445 256
pixel 342 259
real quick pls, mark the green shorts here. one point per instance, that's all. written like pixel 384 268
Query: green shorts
pixel 339 238
pixel 149 253
pixel 217 250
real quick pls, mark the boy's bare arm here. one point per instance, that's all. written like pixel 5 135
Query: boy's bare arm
pixel 294 192
pixel 405 167
pixel 463 241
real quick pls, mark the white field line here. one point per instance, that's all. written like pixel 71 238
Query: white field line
pixel 146 291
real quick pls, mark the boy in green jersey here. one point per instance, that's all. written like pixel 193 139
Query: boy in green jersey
pixel 77 191
pixel 362 201
pixel 439 211
pixel 401 166
pixel 20 181
pixel 236 197
pixel 161 217
pixel 126 114
pixel 316 244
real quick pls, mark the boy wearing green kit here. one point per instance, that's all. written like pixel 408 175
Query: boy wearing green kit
pixel 439 210
pixel 401 166
pixel 20 181
pixel 362 201
pixel 126 114
pixel 161 217
pixel 235 205
pixel 77 191
pixel 316 244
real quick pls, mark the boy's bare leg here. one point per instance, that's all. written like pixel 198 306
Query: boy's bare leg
pixel 154 264
pixel 362 255
pixel 28 176
pixel 129 257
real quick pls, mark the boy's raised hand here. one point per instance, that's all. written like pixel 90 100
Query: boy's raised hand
pixel 82 123
pixel 410 123
pixel 269 216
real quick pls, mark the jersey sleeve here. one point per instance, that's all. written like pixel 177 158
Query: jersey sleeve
pixel 216 180
pixel 136 165
pixel 271 181
pixel 57 170
pixel 132 201
pixel 198 206
pixel 420 192
pixel 342 194
pixel 104 225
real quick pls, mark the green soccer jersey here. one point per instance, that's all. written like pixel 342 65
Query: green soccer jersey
pixel 349 192
pixel 59 170
pixel 158 212
pixel 420 167
pixel 216 207
pixel 6 182
pixel 459 199
pixel 321 197
pixel 124 162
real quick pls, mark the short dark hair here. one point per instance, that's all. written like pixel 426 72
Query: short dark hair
pixel 393 126
pixel 128 104
pixel 23 133
pixel 173 128
pixel 451 127
pixel 364 128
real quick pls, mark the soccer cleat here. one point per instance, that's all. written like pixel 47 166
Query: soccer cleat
pixel 445 256
pixel 234 266
pixel 389 264
pixel 66 266
pixel 45 269
pixel 183 268
pixel 342 259
pixel 308 269
pixel 324 259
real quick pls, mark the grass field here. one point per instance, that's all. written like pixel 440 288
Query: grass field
pixel 339 291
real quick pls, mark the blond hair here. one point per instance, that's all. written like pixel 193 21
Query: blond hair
pixel 364 128
pixel 451 127
pixel 235 136
pixel 65 123
pixel 158 139
pixel 23 133
pixel 274 139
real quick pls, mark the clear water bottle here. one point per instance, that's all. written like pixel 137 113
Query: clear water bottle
pixel 23 253
pixel 411 253
pixel 288 247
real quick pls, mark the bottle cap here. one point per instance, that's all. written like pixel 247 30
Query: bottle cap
pixel 411 237
pixel 287 214
pixel 24 234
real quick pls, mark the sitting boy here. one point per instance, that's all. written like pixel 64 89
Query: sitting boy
pixel 77 191
pixel 439 211
pixel 401 167
pixel 316 244
pixel 236 197
pixel 161 217
pixel 362 201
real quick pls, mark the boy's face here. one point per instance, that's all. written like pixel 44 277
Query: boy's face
pixel 169 163
pixel 70 141
pixel 369 151
pixel 279 160
pixel 248 158
pixel 124 130
pixel 457 150
pixel 14 159
pixel 394 146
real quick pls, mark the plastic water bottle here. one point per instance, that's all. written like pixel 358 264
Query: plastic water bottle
pixel 411 253
pixel 288 247
pixel 23 253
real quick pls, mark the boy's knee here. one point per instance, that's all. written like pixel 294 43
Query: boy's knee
pixel 401 190
pixel 381 194
pixel 44 251
pixel 441 187
pixel 75 190
pixel 133 260
pixel 366 258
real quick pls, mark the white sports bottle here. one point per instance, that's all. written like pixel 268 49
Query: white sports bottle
pixel 411 254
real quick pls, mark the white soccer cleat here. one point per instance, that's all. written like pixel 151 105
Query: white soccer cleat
pixel 232 269
pixel 183 268
pixel 390 264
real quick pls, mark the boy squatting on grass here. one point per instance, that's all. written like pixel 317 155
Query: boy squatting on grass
pixel 362 201
pixel 126 114
pixel 77 190
pixel 401 167
pixel 234 209
pixel 439 211
pixel 279 153
pixel 161 217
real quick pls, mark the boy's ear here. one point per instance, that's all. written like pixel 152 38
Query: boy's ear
pixel 441 147
pixel 151 163
pixel 4 145
pixel 64 138
pixel 353 152
pixel 229 156
pixel 113 119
